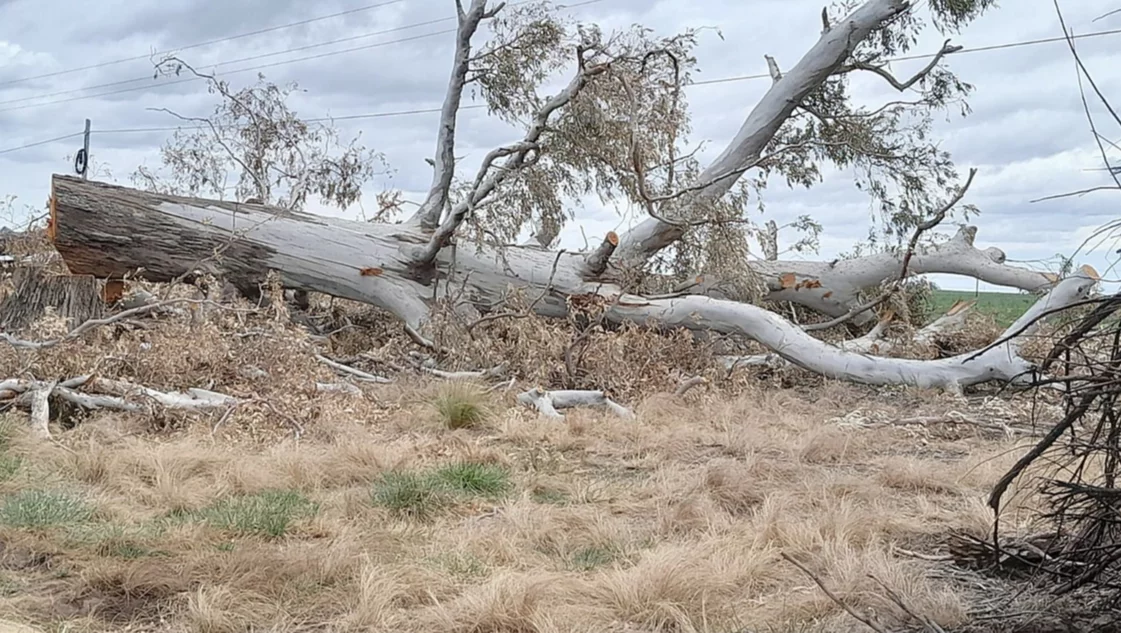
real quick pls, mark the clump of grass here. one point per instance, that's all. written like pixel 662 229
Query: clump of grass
pixel 589 558
pixel 43 509
pixel 460 404
pixel 270 513
pixel 486 480
pixel 410 494
pixel 420 495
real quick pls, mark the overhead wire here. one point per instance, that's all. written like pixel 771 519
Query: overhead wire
pixel 151 78
pixel 252 68
pixel 374 115
pixel 229 38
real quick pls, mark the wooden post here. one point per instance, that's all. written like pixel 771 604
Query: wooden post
pixel 86 151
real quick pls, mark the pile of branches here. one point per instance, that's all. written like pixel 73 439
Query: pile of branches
pixel 1074 469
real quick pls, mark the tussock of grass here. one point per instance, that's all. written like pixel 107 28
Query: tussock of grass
pixel 270 513
pixel 43 509
pixel 469 478
pixel 410 494
pixel 460 404
pixel 422 494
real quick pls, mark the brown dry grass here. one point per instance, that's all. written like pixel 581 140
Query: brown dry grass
pixel 673 522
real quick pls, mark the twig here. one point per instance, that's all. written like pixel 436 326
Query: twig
pixel 946 49
pixel 934 221
pixel 931 625
pixel 870 623
pixel 347 369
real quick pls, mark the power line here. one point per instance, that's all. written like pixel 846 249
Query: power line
pixel 256 68
pixel 906 58
pixel 37 143
pixel 230 38
pixel 376 115
pixel 148 78
pixel 350 117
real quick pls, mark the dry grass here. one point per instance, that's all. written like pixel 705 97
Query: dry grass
pixel 432 506
pixel 673 522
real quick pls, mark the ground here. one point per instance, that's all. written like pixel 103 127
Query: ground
pixel 1004 307
pixel 382 518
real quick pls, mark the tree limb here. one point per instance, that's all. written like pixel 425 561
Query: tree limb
pixel 946 49
pixel 517 157
pixel 428 216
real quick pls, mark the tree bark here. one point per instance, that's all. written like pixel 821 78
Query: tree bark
pixel 74 298
pixel 111 231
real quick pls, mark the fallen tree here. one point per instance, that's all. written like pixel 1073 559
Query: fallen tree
pixel 405 268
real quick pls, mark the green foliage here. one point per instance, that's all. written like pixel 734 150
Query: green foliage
pixel 254 138
pixel 38 509
pixel 269 514
pixel 409 494
pixel 422 494
pixel 470 478
pixel 589 558
pixel 460 405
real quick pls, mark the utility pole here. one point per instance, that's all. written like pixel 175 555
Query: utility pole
pixel 86 151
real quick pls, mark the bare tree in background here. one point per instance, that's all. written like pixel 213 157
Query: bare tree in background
pixel 254 138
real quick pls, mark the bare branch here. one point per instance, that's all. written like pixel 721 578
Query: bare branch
pixel 868 621
pixel 517 156
pixel 428 216
pixel 946 49
pixel 932 222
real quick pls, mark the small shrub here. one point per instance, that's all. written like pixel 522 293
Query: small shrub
pixel 461 405
pixel 43 509
pixel 409 494
pixel 268 514
pixel 474 479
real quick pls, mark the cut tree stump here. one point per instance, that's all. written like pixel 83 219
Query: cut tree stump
pixel 76 298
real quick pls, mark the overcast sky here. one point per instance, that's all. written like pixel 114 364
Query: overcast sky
pixel 1027 135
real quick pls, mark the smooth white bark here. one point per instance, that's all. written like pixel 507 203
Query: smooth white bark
pixel 547 403
pixel 785 94
pixel 796 346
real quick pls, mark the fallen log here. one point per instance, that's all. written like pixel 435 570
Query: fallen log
pixel 112 231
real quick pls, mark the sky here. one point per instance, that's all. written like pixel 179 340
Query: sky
pixel 1027 135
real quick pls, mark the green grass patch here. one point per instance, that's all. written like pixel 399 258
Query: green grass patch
pixel 589 558
pixel 269 514
pixel 410 494
pixel 469 478
pixel 1004 307
pixel 44 509
pixel 422 494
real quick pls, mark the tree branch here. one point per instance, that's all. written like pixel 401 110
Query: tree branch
pixel 517 156
pixel 946 49
pixel 759 129
pixel 428 216
pixel 596 261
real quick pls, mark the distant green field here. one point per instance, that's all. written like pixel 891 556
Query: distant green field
pixel 1005 307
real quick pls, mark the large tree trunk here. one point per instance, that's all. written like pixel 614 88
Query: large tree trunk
pixel 74 298
pixel 112 231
